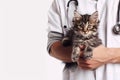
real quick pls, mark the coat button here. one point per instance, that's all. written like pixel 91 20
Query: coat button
pixel 65 26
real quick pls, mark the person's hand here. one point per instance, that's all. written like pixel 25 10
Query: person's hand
pixel 89 64
pixel 99 58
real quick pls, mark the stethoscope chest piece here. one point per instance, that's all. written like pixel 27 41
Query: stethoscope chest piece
pixel 116 29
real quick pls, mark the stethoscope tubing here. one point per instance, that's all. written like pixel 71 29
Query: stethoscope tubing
pixel 118 12
pixel 76 2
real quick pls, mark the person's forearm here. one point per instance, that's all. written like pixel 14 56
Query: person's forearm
pixel 115 54
pixel 60 52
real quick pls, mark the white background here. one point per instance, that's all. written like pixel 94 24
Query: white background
pixel 23 39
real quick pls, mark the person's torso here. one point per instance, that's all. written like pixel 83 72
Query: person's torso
pixel 107 14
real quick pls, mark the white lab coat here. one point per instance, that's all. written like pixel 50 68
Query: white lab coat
pixel 59 16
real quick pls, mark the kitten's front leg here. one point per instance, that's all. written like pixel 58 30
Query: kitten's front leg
pixel 87 52
pixel 75 53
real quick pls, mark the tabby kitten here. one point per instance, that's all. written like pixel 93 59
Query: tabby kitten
pixel 83 33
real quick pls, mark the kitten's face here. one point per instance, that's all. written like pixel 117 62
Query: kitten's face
pixel 86 25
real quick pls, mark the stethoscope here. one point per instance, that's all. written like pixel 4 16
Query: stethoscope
pixel 116 27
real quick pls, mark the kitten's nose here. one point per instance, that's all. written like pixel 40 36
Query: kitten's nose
pixel 85 29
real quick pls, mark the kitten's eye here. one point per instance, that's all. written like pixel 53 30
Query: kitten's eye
pixel 81 24
pixel 80 27
pixel 90 26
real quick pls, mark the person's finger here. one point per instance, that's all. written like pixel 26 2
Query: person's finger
pixel 90 67
pixel 86 67
pixel 90 62
pixel 82 61
pixel 83 65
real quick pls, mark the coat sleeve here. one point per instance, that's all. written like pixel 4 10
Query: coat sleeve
pixel 54 24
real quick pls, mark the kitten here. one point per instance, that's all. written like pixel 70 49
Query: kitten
pixel 84 32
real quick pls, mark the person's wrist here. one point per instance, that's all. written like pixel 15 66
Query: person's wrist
pixel 101 54
pixel 115 58
pixel 112 57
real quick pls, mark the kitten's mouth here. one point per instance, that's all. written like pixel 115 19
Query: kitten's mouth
pixel 86 32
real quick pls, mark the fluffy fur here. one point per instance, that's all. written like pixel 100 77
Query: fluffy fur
pixel 84 32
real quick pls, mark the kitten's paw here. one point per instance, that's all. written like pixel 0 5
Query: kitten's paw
pixel 87 55
pixel 75 57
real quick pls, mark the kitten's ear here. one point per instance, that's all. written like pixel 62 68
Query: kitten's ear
pixel 94 17
pixel 77 15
